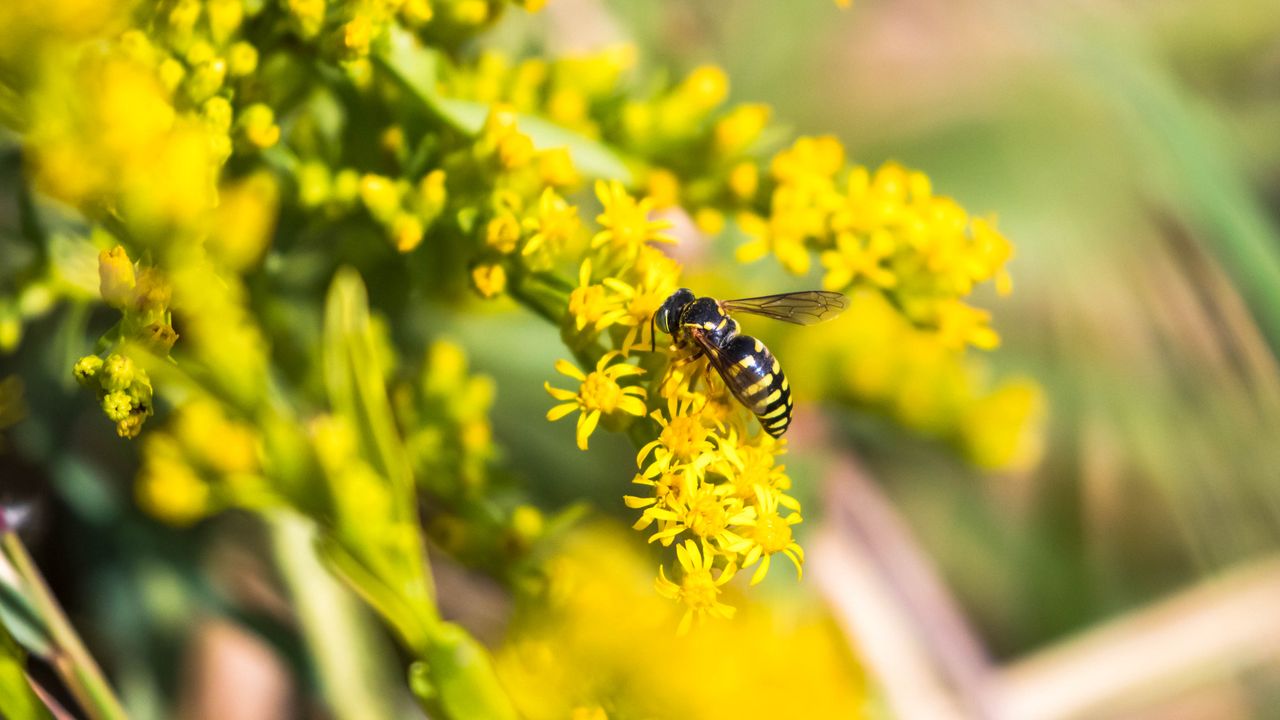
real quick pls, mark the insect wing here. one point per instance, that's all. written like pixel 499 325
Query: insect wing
pixel 802 308
pixel 721 364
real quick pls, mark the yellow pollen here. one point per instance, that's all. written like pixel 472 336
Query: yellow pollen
pixel 683 436
pixel 773 534
pixel 601 392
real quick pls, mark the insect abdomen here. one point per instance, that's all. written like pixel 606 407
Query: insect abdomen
pixel 756 379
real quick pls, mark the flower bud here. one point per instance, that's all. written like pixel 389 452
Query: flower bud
pixel 379 196
pixel 117 373
pixel 503 233
pixel 116 280
pixel 258 123
pixel 242 59
pixel 117 405
pixel 86 370
pixel 406 232
pixel 431 191
pixel 490 279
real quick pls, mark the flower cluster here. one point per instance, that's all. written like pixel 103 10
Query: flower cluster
pixel 122 387
pixel 713 486
pixel 595 644
pixel 204 461
pixel 875 359
pixel 885 230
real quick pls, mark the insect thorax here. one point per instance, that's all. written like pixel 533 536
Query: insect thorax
pixel 706 315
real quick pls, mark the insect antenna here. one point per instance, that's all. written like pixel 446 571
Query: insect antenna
pixel 653 334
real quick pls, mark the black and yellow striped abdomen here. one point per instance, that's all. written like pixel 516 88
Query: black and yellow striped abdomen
pixel 755 378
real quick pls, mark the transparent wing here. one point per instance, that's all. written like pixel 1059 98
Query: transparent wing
pixel 721 365
pixel 802 308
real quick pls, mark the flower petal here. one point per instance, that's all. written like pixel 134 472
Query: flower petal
pixel 587 425
pixel 560 411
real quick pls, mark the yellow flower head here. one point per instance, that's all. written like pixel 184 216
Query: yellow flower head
pixel 706 511
pixel 552 225
pixel 767 532
pixel 599 394
pixel 855 258
pixel 626 222
pixel 591 306
pixel 684 439
pixel 699 587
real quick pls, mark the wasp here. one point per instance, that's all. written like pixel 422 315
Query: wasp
pixel 703 326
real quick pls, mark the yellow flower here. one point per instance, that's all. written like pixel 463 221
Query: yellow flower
pixel 684 439
pixel 490 279
pixel 856 257
pixel 664 188
pixel 406 232
pixel 699 589
pixel 960 324
pixel 116 277
pixel 257 122
pixel 503 232
pixel 744 179
pixel 758 468
pixel 767 533
pixel 735 132
pixel 641 300
pixel 590 305
pixel 626 222
pixel 599 394
pixel 555 168
pixel 551 226
pixel 666 492
pixel 706 511
pixel 167 487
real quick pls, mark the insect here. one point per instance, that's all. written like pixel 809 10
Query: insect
pixel 750 371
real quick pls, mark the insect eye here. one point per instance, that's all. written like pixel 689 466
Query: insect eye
pixel 661 319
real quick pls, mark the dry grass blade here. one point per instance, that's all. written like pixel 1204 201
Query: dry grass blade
pixel 886 595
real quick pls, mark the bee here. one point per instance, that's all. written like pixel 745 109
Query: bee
pixel 703 326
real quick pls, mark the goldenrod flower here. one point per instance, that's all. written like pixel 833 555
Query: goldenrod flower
pixel 684 439
pixel 626 222
pixel 599 394
pixel 591 306
pixel 699 589
pixel 116 277
pixel 768 533
pixel 406 232
pixel 960 324
pixel 736 131
pixel 490 279
pixel 706 511
pixel 856 257
pixel 503 232
pixel 551 226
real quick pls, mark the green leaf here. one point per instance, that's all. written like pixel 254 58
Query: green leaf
pixel 374 591
pixel 356 386
pixel 20 617
pixel 17 699
pixel 417 69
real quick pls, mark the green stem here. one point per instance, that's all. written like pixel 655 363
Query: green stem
pixel 351 667
pixel 69 656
